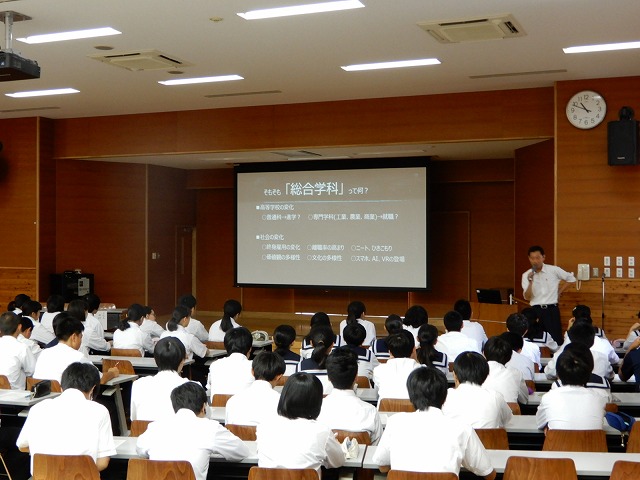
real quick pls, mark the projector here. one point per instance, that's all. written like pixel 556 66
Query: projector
pixel 14 67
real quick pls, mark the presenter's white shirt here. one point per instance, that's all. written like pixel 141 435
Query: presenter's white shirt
pixel 545 284
pixel 151 396
pixel 477 406
pixel 343 410
pixel 571 408
pixel 253 405
pixel 16 361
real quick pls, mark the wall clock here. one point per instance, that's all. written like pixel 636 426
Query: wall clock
pixel 586 109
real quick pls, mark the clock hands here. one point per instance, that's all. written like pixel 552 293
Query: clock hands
pixel 575 104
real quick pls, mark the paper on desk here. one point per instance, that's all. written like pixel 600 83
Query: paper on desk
pixel 14 394
pixel 118 443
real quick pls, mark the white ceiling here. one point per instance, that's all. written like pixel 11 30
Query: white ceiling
pixel 300 57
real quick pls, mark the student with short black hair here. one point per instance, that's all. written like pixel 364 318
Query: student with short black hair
pixel 470 328
pixel 43 332
pixel 354 336
pixel 322 340
pixel 505 380
pixel 451 444
pixel 519 325
pixel 393 324
pixel 17 362
pixel 18 301
pixel 518 361
pixel 26 328
pixel 294 438
pixel 454 341
pixel 317 319
pixel 232 374
pixel 189 435
pixel 129 335
pixel 177 327
pixel 149 325
pixel 283 338
pixel 93 338
pixel 415 317
pixel 427 354
pixel 536 332
pixel 356 311
pixel 231 311
pixel 390 378
pixel 195 327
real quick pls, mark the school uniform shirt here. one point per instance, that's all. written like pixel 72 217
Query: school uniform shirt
pixel 53 361
pixel 43 330
pixel 477 406
pixel 546 340
pixel 185 436
pixel 230 375
pixel 414 332
pixel 571 408
pixel 630 368
pixel 507 381
pixel 596 384
pixel 151 395
pixel 133 338
pixel 381 349
pixel 454 343
pixel 191 344
pixel 307 349
pixel 523 364
pixel 310 366
pixel 16 361
pixel 253 405
pixel 152 328
pixel 68 425
pixel 343 410
pixel 369 327
pixel 601 365
pixel 367 361
pixel 215 332
pixel 196 328
pixel 31 345
pixel 441 362
pixel 630 339
pixel 291 361
pixel 297 443
pixel 451 444
pixel 93 335
pixel 476 331
pixel 390 378
pixel 532 352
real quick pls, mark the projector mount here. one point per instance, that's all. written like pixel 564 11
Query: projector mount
pixel 8 18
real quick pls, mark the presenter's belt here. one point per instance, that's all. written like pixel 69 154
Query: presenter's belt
pixel 549 305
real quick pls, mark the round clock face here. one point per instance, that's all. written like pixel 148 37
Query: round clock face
pixel 586 109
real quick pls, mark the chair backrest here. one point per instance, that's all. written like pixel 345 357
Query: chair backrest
pixel 395 405
pixel 633 443
pixel 283 379
pixel 215 345
pixel 575 441
pixel 403 475
pixel 4 383
pixel 259 473
pixel 363 438
pixel 623 470
pixel 531 385
pixel 244 432
pixel 138 427
pixel 220 400
pixel 124 366
pixel 515 408
pixel 611 407
pixel 143 469
pixel 125 352
pixel 63 467
pixel 545 352
pixel 529 468
pixel 363 382
pixel 493 438
pixel 55 385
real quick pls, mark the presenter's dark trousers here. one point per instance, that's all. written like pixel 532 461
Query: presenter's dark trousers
pixel 550 317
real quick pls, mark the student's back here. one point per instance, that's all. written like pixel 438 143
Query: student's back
pixel 232 374
pixel 390 378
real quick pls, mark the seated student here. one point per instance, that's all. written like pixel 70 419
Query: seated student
pixel 342 409
pixel 393 324
pixel 454 342
pixel 283 338
pixel 518 361
pixel 16 359
pixel 536 332
pixel 600 342
pixel 469 401
pixel 470 328
pixel 294 438
pixel 414 318
pixel 354 335
pixel 518 324
pixel 150 395
pixel 43 332
pixel 318 318
pixel 53 361
pixel 189 435
pixel 231 312
pixel 450 443
pixel 572 406
pixel 15 305
pixel 259 401
pixel 93 336
pixel 195 327
pixel 355 314
pixel 25 328
pixel 71 424
pixel 427 354
pixel 322 340
pixel 630 368
pixel 129 335
pixel 150 325
pixel 390 379
pixel 176 327
pixel 584 312
pixel 232 374
pixel 502 379
pixel 596 383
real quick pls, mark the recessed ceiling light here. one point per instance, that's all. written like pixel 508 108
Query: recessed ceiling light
pixel 74 35
pixel 189 81
pixel 42 93
pixel 398 64
pixel 301 9
pixel 605 47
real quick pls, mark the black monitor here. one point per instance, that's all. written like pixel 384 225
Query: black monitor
pixel 489 295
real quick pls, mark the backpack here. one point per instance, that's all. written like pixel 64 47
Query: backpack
pixel 620 421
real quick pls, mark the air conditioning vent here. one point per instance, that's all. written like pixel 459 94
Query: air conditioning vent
pixel 475 29
pixel 142 60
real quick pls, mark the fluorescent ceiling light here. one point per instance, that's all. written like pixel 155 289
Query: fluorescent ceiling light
pixel 301 9
pixel 605 47
pixel 59 37
pixel 189 81
pixel 42 93
pixel 398 64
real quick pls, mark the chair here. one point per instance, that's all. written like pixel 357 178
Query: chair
pixel 143 469
pixel 125 352
pixel 611 407
pixel 215 345
pixel 6 469
pixel 124 366
pixel 244 432
pixel 623 470
pixel 545 352
pixel 575 441
pixel 633 443
pixel 528 468
pixel 55 385
pixel 259 473
pixel 283 379
pixel 220 400
pixel 363 438
pixel 493 438
pixel 64 467
pixel 4 383
pixel 395 405
pixel 363 382
pixel 138 427
pixel 515 408
pixel 403 475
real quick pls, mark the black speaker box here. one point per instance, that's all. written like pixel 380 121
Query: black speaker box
pixel 623 142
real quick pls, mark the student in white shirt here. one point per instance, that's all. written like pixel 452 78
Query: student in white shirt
pixel 572 406
pixel 93 336
pixel 259 401
pixel 195 327
pixel 24 337
pixel 454 342
pixel 536 332
pixel 505 380
pixel 16 360
pixel 393 324
pixel 518 324
pixel 129 335
pixel 450 443
pixel 427 354
pixel 150 325
pixel 43 332
pixel 232 374
pixel 354 335
pixel 15 305
pixel 283 338
pixel 231 311
pixel 150 395
pixel 390 378
pixel 93 327
pixel 189 435
pixel 294 438
pixel 470 328
pixel 469 401
pixel 414 318
pixel 342 409
pixel 176 327
pixel 355 314
pixel 317 319
pixel 518 361
pixel 71 424
pixel 322 340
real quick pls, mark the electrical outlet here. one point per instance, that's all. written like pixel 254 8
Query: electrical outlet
pixel 632 261
pixel 618 261
pixel 618 272
pixel 607 261
pixel 632 273
pixel 595 272
pixel 607 272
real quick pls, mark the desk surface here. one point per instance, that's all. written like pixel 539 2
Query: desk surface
pixel 121 379
pixel 21 398
pixel 622 399
pixel 136 362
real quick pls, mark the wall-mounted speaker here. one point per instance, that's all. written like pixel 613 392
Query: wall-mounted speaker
pixel 623 142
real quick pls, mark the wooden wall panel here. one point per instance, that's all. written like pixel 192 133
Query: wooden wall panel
pixel 14 281
pixel 46 209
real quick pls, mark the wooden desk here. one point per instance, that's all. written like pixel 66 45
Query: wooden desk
pixel 115 383
pixel 138 363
